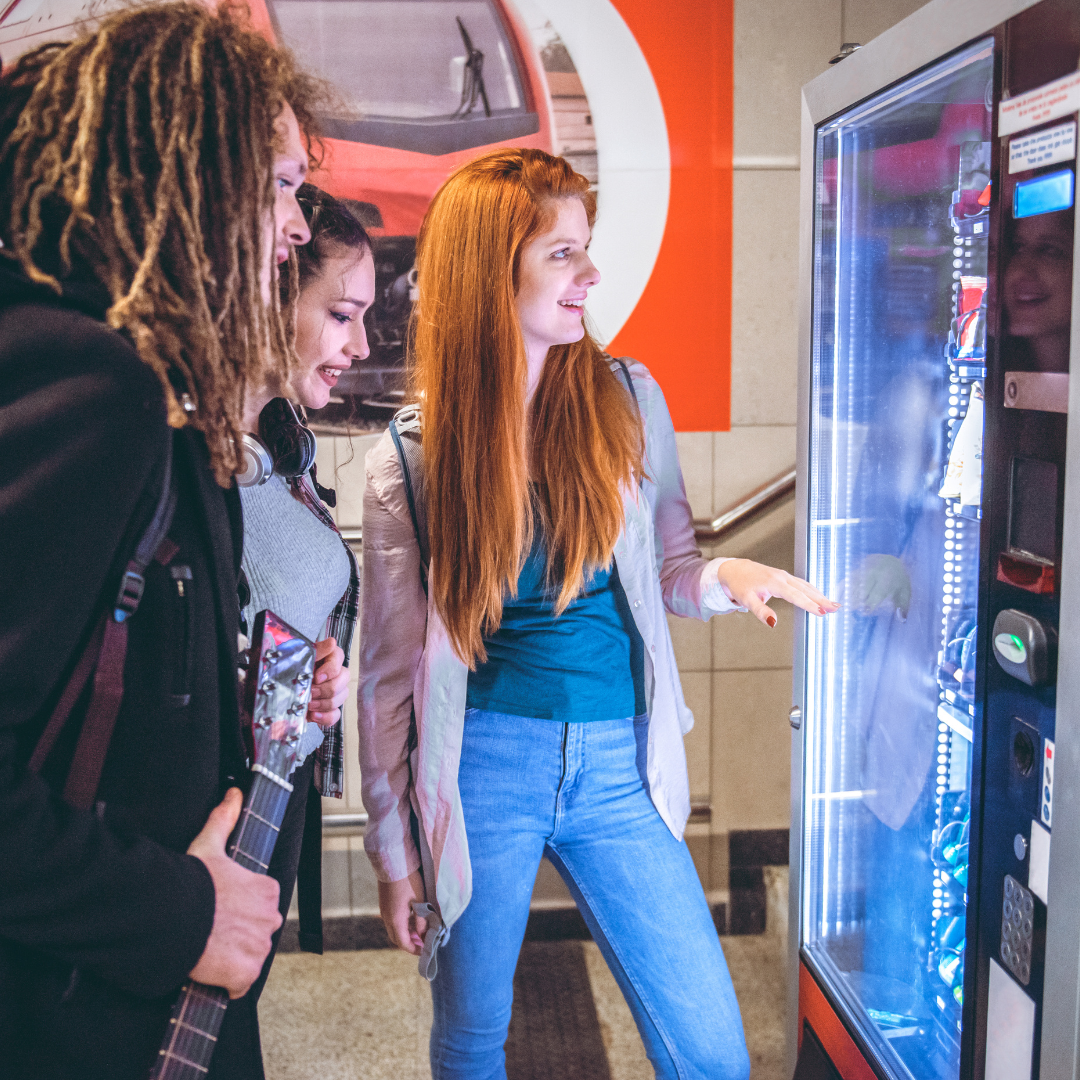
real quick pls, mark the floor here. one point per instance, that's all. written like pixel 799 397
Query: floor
pixel 365 1015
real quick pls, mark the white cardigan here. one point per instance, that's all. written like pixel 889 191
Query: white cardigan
pixel 407 662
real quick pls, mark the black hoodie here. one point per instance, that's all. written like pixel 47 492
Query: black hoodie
pixel 102 915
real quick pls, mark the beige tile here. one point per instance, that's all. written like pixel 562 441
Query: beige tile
pixel 625 1051
pixel 351 801
pixel 747 457
pixel 719 862
pixel 325 464
pixel 865 19
pixel 336 895
pixel 692 641
pixel 696 460
pixel 697 690
pixel 741 642
pixel 758 966
pixel 751 749
pixel 770 539
pixel 779 45
pixel 363 884
pixel 350 476
pixel 699 844
pixel 765 277
pixel 549 889
pixel 346 1016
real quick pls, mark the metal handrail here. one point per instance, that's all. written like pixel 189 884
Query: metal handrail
pixel 748 509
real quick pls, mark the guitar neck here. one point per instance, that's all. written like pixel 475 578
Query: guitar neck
pixel 197 1016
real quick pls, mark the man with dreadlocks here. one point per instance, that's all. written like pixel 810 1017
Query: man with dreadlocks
pixel 147 187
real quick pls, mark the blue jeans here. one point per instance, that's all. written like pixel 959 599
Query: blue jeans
pixel 577 793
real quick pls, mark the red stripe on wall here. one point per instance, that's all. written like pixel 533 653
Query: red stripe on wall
pixel 681 327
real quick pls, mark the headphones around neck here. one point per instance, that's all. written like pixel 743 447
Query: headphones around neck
pixel 285 445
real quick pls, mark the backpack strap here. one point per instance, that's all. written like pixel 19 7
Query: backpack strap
pixel 405 430
pixel 105 654
pixel 621 361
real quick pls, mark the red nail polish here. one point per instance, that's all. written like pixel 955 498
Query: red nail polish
pixel 771 620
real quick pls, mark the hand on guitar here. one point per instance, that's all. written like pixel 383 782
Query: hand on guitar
pixel 330 685
pixel 245 907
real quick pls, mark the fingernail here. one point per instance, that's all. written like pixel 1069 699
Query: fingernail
pixel 822 611
pixel 771 620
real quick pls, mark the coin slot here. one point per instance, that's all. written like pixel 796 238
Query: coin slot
pixel 1023 753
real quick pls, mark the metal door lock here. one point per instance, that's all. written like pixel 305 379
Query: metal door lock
pixel 795 717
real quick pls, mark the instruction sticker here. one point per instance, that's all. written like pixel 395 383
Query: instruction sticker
pixel 1040 105
pixel 1043 148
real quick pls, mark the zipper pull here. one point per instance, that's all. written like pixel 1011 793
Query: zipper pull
pixel 180 574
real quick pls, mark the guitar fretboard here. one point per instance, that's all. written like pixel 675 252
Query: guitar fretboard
pixel 199 1010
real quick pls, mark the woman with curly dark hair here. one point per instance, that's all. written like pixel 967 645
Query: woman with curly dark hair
pixel 148 171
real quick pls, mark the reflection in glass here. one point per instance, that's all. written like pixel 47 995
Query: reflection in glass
pixel 899 354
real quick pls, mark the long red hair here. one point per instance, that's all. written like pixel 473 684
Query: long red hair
pixel 468 367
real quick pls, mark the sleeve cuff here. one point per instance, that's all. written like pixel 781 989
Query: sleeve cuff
pixel 394 866
pixel 715 596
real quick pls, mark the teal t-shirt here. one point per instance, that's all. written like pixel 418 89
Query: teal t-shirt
pixel 587 664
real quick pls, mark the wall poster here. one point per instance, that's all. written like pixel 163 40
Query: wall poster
pixel 636 94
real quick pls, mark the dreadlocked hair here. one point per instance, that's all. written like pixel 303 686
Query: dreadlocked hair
pixel 141 155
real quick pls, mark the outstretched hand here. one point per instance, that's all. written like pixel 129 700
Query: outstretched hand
pixel 751 585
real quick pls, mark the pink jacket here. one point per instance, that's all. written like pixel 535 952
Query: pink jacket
pixel 407 663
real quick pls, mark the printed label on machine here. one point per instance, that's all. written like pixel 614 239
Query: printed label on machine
pixel 1058 98
pixel 1010 1028
pixel 1043 148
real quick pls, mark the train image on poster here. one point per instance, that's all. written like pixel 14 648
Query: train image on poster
pixel 419 87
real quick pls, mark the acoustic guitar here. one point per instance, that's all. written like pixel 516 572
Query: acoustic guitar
pixel 276 694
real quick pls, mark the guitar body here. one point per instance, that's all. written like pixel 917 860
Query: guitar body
pixel 276 695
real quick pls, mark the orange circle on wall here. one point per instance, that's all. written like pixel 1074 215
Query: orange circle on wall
pixel 681 326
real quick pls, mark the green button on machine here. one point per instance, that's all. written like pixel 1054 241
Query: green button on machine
pixel 1024 647
pixel 1011 647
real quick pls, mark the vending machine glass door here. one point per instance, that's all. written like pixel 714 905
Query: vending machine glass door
pixel 895 475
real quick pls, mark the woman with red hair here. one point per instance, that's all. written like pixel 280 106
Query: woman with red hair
pixel 519 695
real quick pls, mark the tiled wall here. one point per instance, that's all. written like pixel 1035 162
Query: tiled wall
pixel 736 673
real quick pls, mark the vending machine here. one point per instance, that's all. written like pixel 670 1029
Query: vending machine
pixel 935 902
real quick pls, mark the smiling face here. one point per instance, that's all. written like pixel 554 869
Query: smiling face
pixel 555 274
pixel 287 227
pixel 1038 277
pixel 330 331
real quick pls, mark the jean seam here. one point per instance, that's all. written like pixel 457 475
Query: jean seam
pixel 668 1042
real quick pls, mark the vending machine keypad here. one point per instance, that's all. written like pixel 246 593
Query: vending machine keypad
pixel 1017 929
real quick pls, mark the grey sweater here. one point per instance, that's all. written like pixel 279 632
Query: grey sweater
pixel 295 566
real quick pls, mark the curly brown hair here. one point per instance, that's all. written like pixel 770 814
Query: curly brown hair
pixel 141 153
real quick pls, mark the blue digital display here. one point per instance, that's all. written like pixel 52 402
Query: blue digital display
pixel 1044 194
